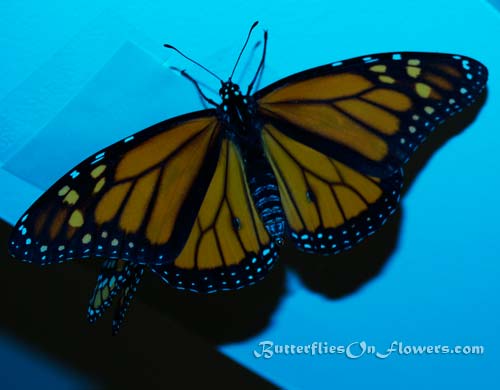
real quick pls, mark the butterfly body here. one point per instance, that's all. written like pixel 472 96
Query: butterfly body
pixel 241 124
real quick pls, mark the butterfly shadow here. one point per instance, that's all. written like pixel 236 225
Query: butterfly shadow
pixel 338 276
pixel 42 321
pixel 223 317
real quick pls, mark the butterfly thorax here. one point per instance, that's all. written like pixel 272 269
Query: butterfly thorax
pixel 238 114
pixel 237 111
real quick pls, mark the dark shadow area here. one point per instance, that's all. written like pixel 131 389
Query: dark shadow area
pixel 224 317
pixel 43 310
pixel 343 274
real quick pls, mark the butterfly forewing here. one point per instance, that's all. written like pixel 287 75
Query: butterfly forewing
pixel 372 112
pixel 135 200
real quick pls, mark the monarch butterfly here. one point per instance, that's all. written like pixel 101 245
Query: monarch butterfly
pixel 205 200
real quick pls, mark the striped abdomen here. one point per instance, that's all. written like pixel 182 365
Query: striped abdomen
pixel 265 194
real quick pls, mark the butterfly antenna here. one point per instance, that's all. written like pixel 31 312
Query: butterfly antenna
pixel 261 65
pixel 193 61
pixel 198 88
pixel 244 46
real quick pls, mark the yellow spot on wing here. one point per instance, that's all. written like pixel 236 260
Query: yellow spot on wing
pixel 76 219
pixel 413 71
pixel 71 198
pixel 414 62
pixel 63 191
pixel 86 238
pixel 96 172
pixel 386 79
pixel 428 109
pixel 423 90
pixel 99 185
pixel 378 68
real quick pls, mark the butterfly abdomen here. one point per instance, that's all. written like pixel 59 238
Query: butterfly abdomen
pixel 265 193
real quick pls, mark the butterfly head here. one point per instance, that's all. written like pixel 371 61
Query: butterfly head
pixel 229 91
pixel 234 103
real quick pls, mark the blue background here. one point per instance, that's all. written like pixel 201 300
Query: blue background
pixel 78 76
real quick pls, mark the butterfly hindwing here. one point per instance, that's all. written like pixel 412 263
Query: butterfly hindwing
pixel 372 112
pixel 121 203
pixel 329 206
pixel 228 247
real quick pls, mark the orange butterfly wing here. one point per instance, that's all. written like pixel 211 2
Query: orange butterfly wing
pixel 372 112
pixel 337 137
pixel 228 247
pixel 120 203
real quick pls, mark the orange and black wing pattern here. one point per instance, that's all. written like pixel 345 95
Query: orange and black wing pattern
pixel 372 112
pixel 337 137
pixel 135 200
pixel 328 205
pixel 228 247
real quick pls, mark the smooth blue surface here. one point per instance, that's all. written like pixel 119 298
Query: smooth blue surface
pixel 440 286
pixel 22 368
